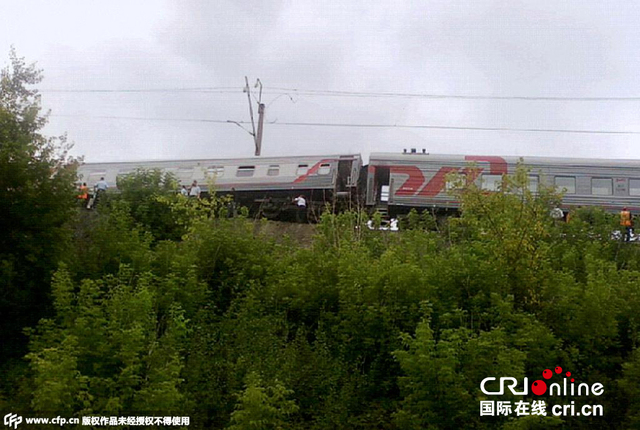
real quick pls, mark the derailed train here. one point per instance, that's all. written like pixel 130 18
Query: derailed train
pixel 392 183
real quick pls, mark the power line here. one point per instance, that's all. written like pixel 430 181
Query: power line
pixel 355 125
pixel 139 118
pixel 228 90
pixel 445 127
pixel 338 93
pixel 334 93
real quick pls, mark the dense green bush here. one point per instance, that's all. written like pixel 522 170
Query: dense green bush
pixel 363 329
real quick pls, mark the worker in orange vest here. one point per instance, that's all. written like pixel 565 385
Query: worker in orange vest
pixel 627 222
pixel 83 193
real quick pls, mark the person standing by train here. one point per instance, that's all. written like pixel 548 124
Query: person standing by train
pixel 83 194
pixel 627 223
pixel 184 191
pixel 301 213
pixel 195 190
pixel 101 185
pixel 99 189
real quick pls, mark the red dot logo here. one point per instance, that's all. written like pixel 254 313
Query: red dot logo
pixel 572 380
pixel 546 374
pixel 568 374
pixel 558 370
pixel 539 387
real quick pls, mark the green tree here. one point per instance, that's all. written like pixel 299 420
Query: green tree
pixel 36 191
pixel 262 408
pixel 115 345
pixel 141 190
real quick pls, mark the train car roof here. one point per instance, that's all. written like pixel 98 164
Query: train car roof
pixel 530 161
pixel 248 160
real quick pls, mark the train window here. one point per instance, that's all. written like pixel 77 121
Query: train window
pixel 455 181
pixel 274 170
pixel 491 182
pixel 120 177
pixel 634 187
pixel 95 176
pixel 245 171
pixel 533 183
pixel 123 173
pixel 184 174
pixel 302 169
pixel 325 168
pixel 567 184
pixel 216 171
pixel 450 186
pixel 601 186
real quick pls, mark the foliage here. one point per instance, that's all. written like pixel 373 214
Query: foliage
pixel 36 195
pixel 262 408
pixel 115 346
pixel 141 190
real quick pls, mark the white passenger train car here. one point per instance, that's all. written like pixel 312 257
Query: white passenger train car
pixel 243 174
pixel 270 182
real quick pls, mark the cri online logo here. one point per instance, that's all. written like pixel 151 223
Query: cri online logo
pixel 539 387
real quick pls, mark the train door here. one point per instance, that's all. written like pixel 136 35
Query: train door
pixel 381 184
pixel 344 175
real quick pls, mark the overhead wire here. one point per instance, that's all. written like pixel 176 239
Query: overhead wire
pixel 341 93
pixel 335 93
pixel 229 90
pixel 358 125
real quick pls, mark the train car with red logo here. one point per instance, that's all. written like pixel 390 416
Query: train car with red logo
pixel 398 182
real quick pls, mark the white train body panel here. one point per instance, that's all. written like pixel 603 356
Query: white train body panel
pixel 241 174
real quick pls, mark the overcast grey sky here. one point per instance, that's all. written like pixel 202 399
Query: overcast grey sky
pixel 531 48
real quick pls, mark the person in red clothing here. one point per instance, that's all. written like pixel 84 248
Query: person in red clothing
pixel 626 221
pixel 83 192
